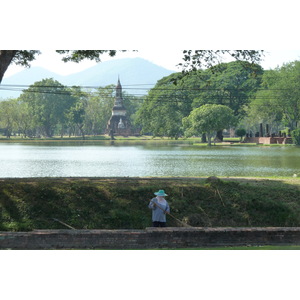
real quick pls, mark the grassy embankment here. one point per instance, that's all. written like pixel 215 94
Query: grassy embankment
pixel 133 140
pixel 27 204
pixel 99 203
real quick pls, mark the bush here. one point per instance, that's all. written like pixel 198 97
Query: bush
pixel 240 132
pixel 296 136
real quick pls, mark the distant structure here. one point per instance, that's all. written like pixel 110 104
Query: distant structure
pixel 118 124
pixel 267 138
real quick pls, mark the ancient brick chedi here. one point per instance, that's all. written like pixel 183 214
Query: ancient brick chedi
pixel 118 124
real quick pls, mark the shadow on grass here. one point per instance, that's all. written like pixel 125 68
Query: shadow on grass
pixel 122 203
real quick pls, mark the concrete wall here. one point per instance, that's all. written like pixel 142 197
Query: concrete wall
pixel 150 238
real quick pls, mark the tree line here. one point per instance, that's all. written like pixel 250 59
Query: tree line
pixel 48 108
pixel 237 94
pixel 203 103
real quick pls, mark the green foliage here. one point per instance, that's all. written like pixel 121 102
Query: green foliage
pixel 208 119
pixel 48 102
pixel 280 101
pixel 167 103
pixel 234 85
pixel 240 132
pixel 163 109
pixel 48 108
pixel 197 59
pixel 296 136
pixel 24 57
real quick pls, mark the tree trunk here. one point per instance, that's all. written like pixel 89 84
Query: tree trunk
pixel 111 133
pixel 48 131
pixel 62 131
pixel 209 136
pixel 6 57
pixel 81 131
pixel 220 135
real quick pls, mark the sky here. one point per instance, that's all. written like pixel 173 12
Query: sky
pixel 159 30
pixel 168 59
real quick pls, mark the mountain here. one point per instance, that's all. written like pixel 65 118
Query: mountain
pixel 24 78
pixel 136 75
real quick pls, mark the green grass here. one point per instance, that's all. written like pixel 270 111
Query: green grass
pixel 121 203
pixel 292 247
pixel 143 138
pixel 269 247
pixel 289 247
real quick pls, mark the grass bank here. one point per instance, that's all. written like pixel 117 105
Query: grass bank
pixel 114 203
pixel 144 139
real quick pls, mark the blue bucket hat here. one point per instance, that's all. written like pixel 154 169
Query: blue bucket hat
pixel 160 193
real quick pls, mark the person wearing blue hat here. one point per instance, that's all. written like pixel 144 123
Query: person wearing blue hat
pixel 160 208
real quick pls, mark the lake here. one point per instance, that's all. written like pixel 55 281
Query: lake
pixel 105 160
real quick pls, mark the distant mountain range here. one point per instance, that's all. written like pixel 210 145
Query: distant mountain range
pixel 137 76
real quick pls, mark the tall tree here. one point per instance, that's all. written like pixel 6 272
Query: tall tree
pixel 208 118
pixel 263 109
pixel 76 113
pixel 279 99
pixel 166 104
pixel 8 116
pixel 98 110
pixel 163 109
pixel 49 101
pixel 286 92
pixel 234 85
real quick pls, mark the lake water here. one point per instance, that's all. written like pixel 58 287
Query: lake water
pixel 61 160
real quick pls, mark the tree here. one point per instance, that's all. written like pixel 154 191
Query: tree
pixel 48 102
pixel 15 117
pixel 163 109
pixel 8 116
pixel 166 104
pixel 208 118
pixel 234 85
pixel 283 84
pixel 240 132
pixel 19 57
pixel 76 113
pixel 98 109
pixel 263 109
pixel 296 136
pixel 277 103
pixel 76 116
pixel 199 59
pixel 24 123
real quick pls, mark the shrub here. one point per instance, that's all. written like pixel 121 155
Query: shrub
pixel 296 136
pixel 240 132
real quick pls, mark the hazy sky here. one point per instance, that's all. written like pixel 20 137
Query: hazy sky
pixel 168 59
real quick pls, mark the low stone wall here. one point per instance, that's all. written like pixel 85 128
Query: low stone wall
pixel 269 140
pixel 150 238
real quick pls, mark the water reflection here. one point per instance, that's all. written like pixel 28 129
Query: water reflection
pixel 23 160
